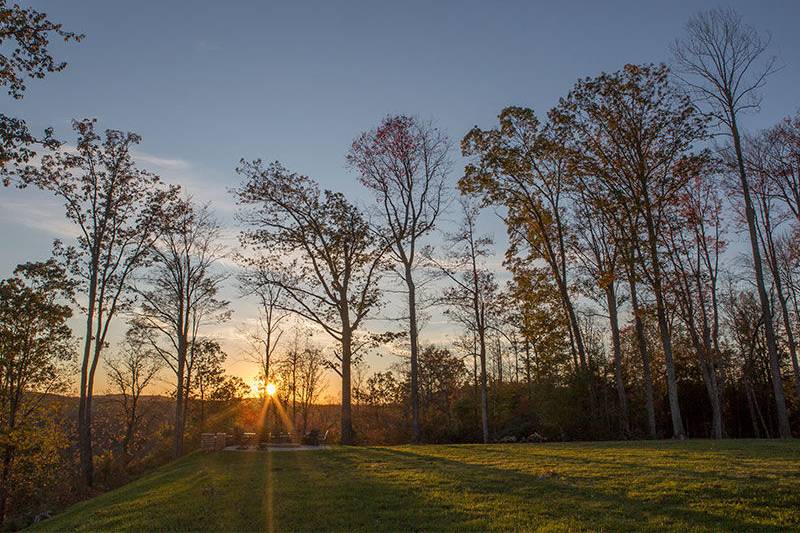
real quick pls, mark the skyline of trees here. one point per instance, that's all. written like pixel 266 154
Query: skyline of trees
pixel 598 199
pixel 624 307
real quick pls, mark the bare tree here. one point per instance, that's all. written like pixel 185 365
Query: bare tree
pixel 405 163
pixel 179 295
pixel 773 195
pixel 311 369
pixel 472 297
pixel 722 62
pixel 318 249
pixel 118 211
pixel 773 159
pixel 269 331
pixel 130 372
pixel 694 232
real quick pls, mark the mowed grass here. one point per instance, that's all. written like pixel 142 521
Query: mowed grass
pixel 694 485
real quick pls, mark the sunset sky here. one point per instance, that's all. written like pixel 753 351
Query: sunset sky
pixel 227 80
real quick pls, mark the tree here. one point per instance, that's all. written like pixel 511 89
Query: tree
pixel 744 323
pixel 471 298
pixel 118 211
pixel 442 375
pixel 27 34
pixel 600 254
pixel 543 328
pixel 35 348
pixel 205 376
pixel 694 233
pixel 265 339
pixel 772 159
pixel 309 381
pixel 230 389
pixel 179 295
pixel 404 162
pixel 130 372
pixel 522 166
pixel 633 132
pixel 289 369
pixel 721 61
pixel 319 250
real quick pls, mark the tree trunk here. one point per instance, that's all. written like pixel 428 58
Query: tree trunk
pixel 787 325
pixel 784 430
pixel 641 343
pixel 663 325
pixel 484 386
pixel 751 407
pixel 795 366
pixel 347 408
pixel 528 369
pixel 581 348
pixel 84 403
pixel 413 335
pixel 611 300
pixel 180 408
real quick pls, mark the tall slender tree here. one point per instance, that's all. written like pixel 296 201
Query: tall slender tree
pixel 693 231
pixel 598 250
pixel 772 160
pixel 722 62
pixel 179 295
pixel 118 211
pixel 471 298
pixel 404 162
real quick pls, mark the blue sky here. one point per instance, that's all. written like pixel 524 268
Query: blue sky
pixel 207 83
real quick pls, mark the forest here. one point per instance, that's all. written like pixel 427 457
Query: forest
pixel 649 285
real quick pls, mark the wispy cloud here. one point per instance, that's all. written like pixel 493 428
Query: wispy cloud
pixel 40 213
pixel 161 163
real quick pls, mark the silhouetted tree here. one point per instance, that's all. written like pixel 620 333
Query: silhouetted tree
pixel 318 249
pixel 26 34
pixel 179 295
pixel 471 298
pixel 721 61
pixel 118 211
pixel 404 162
pixel 130 372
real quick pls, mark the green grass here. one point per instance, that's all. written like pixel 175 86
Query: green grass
pixel 695 485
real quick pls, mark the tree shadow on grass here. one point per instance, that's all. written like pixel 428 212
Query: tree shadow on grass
pixel 670 465
pixel 560 502
pixel 339 492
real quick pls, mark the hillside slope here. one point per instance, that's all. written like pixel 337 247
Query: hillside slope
pixel 695 485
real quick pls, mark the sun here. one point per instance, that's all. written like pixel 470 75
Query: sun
pixel 271 389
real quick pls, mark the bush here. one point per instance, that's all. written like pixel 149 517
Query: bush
pixel 312 438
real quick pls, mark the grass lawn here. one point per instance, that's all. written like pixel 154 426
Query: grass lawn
pixel 695 485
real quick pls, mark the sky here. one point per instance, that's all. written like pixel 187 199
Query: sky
pixel 208 83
